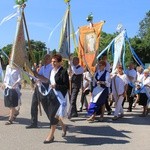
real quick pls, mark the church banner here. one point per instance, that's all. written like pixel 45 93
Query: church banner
pixel 64 37
pixel 18 52
pixel 89 38
pixel 118 49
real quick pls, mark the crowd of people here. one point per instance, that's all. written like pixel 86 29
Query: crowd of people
pixel 55 85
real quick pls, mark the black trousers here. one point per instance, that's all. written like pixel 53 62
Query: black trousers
pixel 107 106
pixel 130 98
pixel 37 96
pixel 83 97
pixel 73 101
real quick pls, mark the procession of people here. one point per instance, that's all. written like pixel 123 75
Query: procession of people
pixel 52 90
pixel 57 88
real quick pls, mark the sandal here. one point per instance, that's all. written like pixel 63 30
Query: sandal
pixel 9 122
pixel 91 119
pixel 15 115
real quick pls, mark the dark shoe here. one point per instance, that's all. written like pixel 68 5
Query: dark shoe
pixel 74 115
pixel 109 112
pixel 31 126
pixel 64 133
pixel 142 115
pixel 50 141
pixel 69 117
pixel 80 110
pixel 115 118
pixel 129 110
pixel 101 119
pixel 147 111
pixel 9 122
pixel 121 116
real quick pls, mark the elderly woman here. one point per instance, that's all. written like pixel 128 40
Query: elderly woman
pixel 101 84
pixel 59 85
pixel 12 81
pixel 144 92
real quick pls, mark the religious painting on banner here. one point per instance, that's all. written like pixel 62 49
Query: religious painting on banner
pixel 89 38
pixel 90 42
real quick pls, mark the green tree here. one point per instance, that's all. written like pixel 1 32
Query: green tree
pixel 38 49
pixel 7 50
pixel 141 42
pixel 105 39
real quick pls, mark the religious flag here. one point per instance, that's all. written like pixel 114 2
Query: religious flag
pixel 118 49
pixel 64 37
pixel 89 38
pixel 18 53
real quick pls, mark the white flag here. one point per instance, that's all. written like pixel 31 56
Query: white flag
pixel 63 46
pixel 118 47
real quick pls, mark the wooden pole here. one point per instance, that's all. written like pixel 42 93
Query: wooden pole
pixel 29 44
pixel 31 54
pixel 69 29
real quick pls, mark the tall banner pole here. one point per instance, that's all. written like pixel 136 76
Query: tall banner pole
pixel 22 5
pixel 69 45
pixel 69 29
pixel 26 29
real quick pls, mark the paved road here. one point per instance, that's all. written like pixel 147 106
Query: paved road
pixel 131 132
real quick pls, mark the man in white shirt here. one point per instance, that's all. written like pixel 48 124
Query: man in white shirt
pixel 37 97
pixel 131 74
pixel 76 80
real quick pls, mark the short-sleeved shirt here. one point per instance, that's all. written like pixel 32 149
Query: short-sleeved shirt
pixel 45 70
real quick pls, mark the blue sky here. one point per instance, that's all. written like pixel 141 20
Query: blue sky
pixel 43 15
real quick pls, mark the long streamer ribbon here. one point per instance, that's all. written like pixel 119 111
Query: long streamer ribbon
pixel 12 15
pixel 51 33
pixel 38 82
pixel 7 18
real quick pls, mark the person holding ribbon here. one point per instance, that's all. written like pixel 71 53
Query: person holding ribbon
pixel 38 98
pixel 57 97
pixel 11 86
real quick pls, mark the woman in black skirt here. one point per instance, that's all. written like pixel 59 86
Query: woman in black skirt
pixel 59 84
pixel 12 91
pixel 144 92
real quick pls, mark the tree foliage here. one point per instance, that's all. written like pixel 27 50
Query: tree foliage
pixel 141 42
pixel 38 48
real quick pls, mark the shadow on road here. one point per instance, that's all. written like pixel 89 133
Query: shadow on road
pixel 96 135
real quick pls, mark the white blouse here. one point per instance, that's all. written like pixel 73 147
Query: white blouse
pixel 12 77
